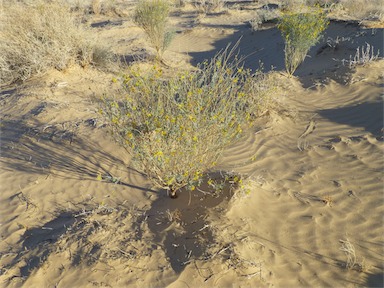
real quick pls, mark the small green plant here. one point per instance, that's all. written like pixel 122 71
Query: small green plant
pixel 300 31
pixel 152 17
pixel 176 128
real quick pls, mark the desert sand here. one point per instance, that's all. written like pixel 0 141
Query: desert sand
pixel 74 213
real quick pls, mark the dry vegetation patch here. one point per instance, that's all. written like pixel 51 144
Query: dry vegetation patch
pixel 39 36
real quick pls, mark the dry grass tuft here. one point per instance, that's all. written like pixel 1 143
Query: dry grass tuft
pixel 352 262
pixel 210 6
pixel 363 56
pixel 350 9
pixel 363 9
pixel 39 36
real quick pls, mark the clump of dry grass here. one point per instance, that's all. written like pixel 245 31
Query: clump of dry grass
pixel 209 6
pixel 350 9
pixel 363 9
pixel 363 56
pixel 349 250
pixel 39 36
pixel 261 16
pixel 352 262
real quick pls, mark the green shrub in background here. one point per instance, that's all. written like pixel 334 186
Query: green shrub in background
pixel 152 17
pixel 176 128
pixel 300 31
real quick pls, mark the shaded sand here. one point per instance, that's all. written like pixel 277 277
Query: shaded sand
pixel 74 213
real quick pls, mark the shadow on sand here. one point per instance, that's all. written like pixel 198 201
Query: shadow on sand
pixel 324 61
pixel 375 280
pixel 180 226
pixel 366 115
pixel 46 149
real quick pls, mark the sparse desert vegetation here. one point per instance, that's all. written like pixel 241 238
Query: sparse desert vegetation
pixel 270 168
pixel 152 16
pixel 177 128
pixel 301 30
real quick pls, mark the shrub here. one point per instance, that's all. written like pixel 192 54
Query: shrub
pixel 37 37
pixel 261 16
pixel 300 31
pixel 209 6
pixel 177 128
pixel 152 17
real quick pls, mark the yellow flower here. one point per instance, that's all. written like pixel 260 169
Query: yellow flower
pixel 129 135
pixel 197 175
pixel 159 154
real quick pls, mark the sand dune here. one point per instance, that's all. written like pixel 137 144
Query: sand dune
pixel 75 213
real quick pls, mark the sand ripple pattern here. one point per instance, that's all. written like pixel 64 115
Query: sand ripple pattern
pixel 311 195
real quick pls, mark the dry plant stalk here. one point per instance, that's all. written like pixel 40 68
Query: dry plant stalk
pixel 349 250
pixel 363 56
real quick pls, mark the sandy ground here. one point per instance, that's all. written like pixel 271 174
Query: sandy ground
pixel 316 183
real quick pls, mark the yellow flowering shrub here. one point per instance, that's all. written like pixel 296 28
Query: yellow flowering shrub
pixel 300 31
pixel 177 127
